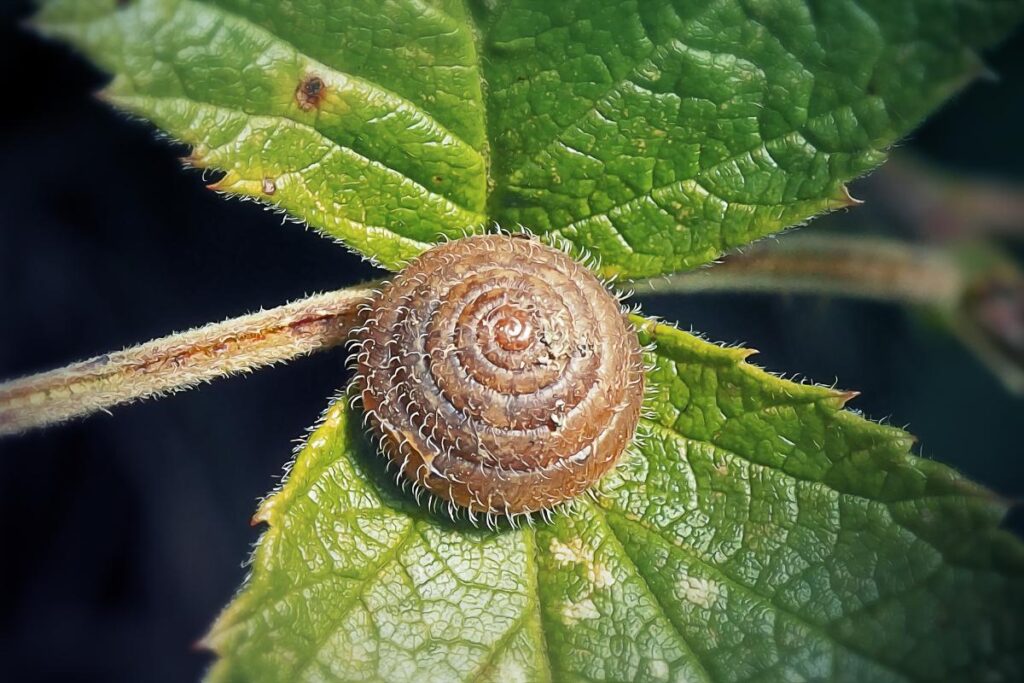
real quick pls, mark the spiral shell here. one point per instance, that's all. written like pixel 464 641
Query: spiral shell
pixel 500 375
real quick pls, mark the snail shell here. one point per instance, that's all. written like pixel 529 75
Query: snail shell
pixel 500 375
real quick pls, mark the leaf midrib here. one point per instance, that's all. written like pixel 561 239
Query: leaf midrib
pixel 697 660
pixel 373 573
pixel 532 557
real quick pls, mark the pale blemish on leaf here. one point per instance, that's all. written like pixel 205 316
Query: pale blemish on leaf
pixel 575 611
pixel 576 553
pixel 514 673
pixel 699 591
pixel 567 554
pixel 658 670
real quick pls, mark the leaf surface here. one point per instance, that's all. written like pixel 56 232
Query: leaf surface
pixel 657 133
pixel 361 118
pixel 757 532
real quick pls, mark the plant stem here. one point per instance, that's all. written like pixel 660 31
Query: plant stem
pixel 941 205
pixel 977 291
pixel 180 361
pixel 883 270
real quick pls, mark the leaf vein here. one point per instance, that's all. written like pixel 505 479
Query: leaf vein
pixel 701 665
pixel 724 576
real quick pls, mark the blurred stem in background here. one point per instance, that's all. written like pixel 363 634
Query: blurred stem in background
pixel 975 291
pixel 859 267
pixel 936 205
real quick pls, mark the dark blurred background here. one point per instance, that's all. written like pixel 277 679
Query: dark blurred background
pixel 122 536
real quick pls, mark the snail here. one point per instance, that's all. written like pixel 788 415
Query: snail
pixel 499 375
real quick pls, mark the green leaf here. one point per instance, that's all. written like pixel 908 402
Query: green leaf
pixel 660 134
pixel 758 532
pixel 389 157
pixel 657 133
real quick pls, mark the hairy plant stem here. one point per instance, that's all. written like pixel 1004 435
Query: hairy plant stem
pixel 883 270
pixel 180 361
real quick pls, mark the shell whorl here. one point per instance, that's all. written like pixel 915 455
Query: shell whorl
pixel 500 375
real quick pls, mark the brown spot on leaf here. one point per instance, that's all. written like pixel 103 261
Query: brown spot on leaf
pixel 269 186
pixel 311 92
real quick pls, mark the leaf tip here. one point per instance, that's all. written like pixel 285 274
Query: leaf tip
pixel 263 512
pixel 844 397
pixel 746 352
pixel 108 95
pixel 259 517
pixel 981 71
pixel 228 182
pixel 203 644
pixel 847 200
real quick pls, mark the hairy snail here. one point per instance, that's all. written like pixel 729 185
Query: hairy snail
pixel 500 375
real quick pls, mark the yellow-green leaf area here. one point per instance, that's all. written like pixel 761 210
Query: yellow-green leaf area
pixel 269 94
pixel 757 531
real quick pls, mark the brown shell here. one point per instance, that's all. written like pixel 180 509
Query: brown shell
pixel 500 375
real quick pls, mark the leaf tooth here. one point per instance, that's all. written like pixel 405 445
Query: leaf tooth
pixel 745 352
pixel 227 183
pixel 980 70
pixel 845 199
pixel 264 512
pixel 844 397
